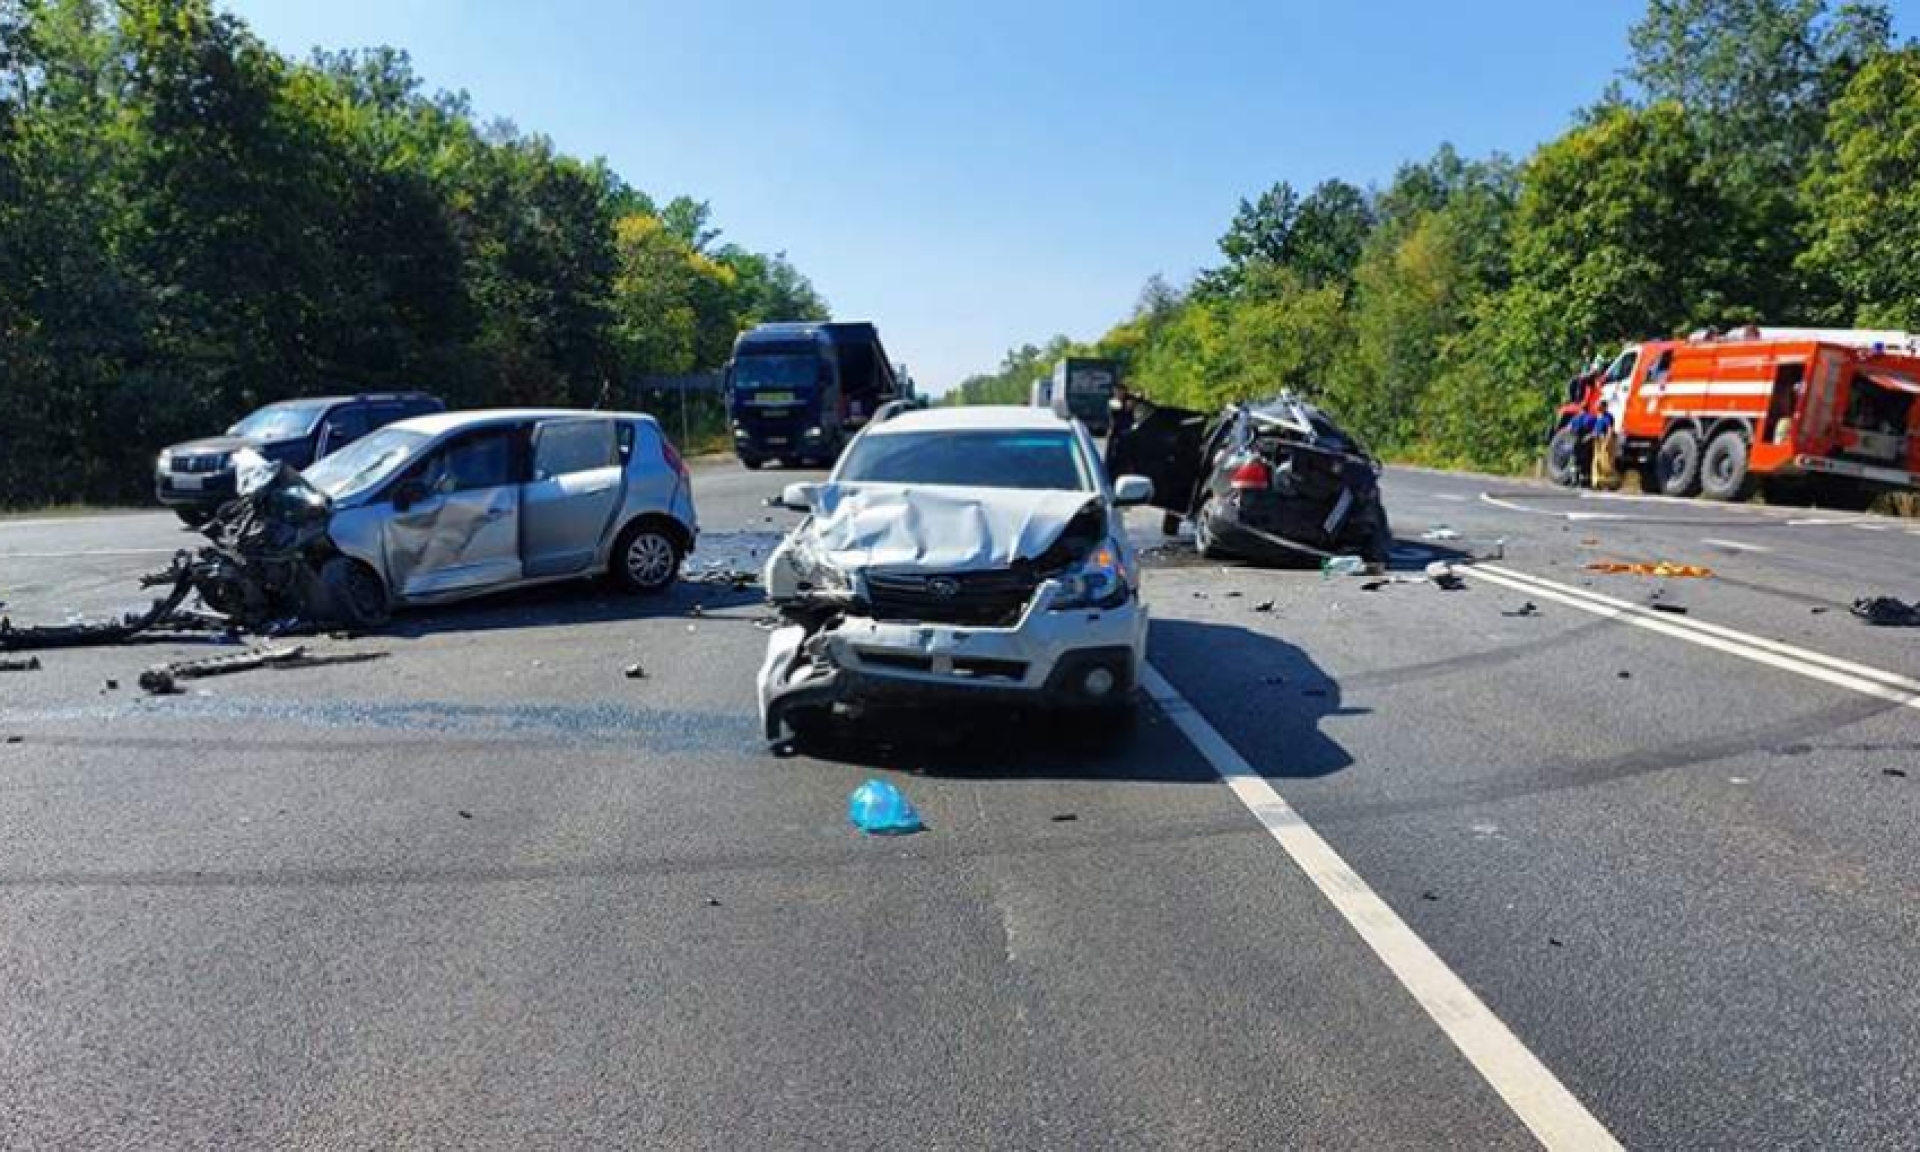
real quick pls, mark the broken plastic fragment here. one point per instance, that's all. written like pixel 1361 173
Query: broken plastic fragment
pixel 1440 532
pixel 879 809
pixel 1343 566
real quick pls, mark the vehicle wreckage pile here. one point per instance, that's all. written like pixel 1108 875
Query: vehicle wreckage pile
pixel 268 567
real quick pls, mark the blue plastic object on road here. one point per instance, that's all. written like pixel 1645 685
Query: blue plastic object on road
pixel 880 809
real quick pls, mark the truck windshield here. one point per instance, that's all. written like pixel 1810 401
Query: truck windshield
pixel 364 463
pixel 279 422
pixel 756 373
pixel 1039 461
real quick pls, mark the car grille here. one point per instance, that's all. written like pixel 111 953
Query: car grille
pixel 977 598
pixel 191 465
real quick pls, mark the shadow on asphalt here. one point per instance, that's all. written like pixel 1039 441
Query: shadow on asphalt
pixel 996 743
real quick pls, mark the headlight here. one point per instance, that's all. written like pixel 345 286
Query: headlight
pixel 1099 582
pixel 812 433
pixel 165 462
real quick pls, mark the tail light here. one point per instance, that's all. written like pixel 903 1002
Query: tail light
pixel 1254 474
pixel 672 457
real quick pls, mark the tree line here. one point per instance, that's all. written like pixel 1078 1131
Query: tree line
pixel 192 225
pixel 1758 161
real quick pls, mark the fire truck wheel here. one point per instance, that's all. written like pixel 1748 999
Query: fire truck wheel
pixel 1563 457
pixel 1677 464
pixel 1723 473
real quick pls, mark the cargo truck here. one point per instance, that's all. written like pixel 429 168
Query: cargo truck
pixel 797 393
pixel 1083 390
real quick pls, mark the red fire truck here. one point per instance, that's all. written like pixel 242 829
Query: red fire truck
pixel 1714 414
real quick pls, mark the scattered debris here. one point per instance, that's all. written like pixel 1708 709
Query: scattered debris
pixel 713 901
pixel 1671 609
pixel 1819 610
pixel 1343 566
pixel 1263 606
pixel 163 679
pixel 879 809
pixel 1555 941
pixel 1886 612
pixel 1589 542
pixel 635 671
pixel 465 815
pixel 113 685
pixel 1430 894
pixel 1234 595
pixel 30 664
pixel 1660 568
pixel 1065 817
pixel 1445 576
pixel 1623 675
pixel 1527 609
pixel 1900 772
pixel 1374 585
pixel 1440 532
pixel 16 739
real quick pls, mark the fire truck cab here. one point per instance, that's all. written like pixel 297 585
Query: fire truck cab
pixel 1713 415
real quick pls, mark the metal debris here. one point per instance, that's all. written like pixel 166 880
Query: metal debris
pixel 163 679
pixel 1886 612
pixel 1527 609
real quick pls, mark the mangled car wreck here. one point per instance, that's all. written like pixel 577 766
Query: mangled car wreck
pixel 971 555
pixel 1274 481
pixel 424 511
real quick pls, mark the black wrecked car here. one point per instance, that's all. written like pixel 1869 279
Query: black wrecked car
pixel 1273 481
pixel 197 477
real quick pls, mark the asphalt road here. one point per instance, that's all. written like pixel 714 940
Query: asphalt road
pixel 488 892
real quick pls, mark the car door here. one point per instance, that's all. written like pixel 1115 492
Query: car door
pixel 1164 445
pixel 463 530
pixel 571 496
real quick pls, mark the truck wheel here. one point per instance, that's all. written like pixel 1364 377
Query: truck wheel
pixel 1563 457
pixel 355 595
pixel 1723 472
pixel 646 557
pixel 1677 463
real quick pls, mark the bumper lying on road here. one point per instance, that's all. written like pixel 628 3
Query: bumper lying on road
pixel 1051 659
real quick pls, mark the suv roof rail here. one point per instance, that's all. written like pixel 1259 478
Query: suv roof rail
pixel 891 409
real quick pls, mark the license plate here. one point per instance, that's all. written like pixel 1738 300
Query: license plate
pixel 776 439
pixel 189 483
pixel 773 398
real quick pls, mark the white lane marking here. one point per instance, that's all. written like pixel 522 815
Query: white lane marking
pixel 1866 526
pixel 1490 498
pixel 1736 545
pixel 94 552
pixel 1860 678
pixel 1823 522
pixel 1452 497
pixel 1554 1115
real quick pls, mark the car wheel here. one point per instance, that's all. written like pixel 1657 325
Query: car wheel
pixel 1563 457
pixel 355 594
pixel 193 517
pixel 1677 464
pixel 812 728
pixel 751 463
pixel 1723 473
pixel 1204 541
pixel 646 558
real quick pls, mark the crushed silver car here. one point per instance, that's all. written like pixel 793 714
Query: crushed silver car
pixel 959 555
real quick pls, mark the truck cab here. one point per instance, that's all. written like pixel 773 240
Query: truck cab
pixel 797 393
pixel 1083 389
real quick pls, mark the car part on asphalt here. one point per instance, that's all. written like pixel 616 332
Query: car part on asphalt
pixel 1275 481
pixel 30 664
pixel 1887 612
pixel 1657 568
pixel 163 679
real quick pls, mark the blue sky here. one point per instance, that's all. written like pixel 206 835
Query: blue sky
pixel 976 175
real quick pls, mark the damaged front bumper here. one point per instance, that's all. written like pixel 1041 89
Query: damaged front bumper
pixel 1082 658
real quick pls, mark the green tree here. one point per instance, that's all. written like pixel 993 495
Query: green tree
pixel 1863 199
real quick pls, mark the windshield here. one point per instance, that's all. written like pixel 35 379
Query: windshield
pixel 759 372
pixel 279 422
pixel 1040 461
pixel 364 463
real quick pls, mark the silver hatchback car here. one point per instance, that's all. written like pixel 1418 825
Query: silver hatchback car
pixel 459 503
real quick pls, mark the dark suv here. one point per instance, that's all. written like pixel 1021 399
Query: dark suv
pixel 196 477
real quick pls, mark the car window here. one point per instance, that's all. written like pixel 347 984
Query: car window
pixel 381 415
pixel 1039 460
pixel 280 422
pixel 347 423
pixel 365 463
pixel 474 461
pixel 563 447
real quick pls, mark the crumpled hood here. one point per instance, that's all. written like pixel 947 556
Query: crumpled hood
pixel 936 529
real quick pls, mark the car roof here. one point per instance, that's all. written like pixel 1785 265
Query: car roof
pixel 436 423
pixel 368 397
pixel 1007 417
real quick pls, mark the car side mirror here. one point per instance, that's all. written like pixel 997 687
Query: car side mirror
pixel 799 497
pixel 1131 490
pixel 407 493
